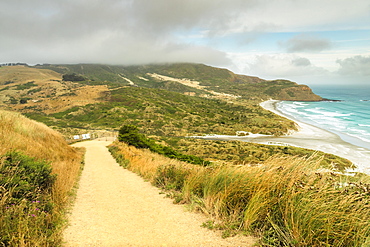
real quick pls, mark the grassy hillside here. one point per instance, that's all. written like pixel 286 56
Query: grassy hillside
pixel 162 112
pixel 37 171
pixel 156 98
pixel 244 153
pixel 15 75
pixel 27 89
pixel 173 99
pixel 278 193
pixel 286 201
pixel 213 79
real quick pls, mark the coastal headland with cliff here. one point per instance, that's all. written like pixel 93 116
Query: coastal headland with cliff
pixel 208 138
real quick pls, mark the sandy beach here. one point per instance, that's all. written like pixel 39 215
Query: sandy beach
pixel 310 137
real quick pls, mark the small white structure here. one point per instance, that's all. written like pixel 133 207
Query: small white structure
pixel 86 136
pixel 278 144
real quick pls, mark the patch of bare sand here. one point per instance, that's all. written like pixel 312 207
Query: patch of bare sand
pixel 115 207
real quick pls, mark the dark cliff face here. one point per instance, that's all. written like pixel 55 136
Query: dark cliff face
pixel 298 93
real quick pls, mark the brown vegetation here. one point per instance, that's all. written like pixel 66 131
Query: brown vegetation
pixel 22 74
pixel 284 201
pixel 37 140
pixel 19 134
pixel 239 152
pixel 49 94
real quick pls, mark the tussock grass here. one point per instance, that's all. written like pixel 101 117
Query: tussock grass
pixel 37 140
pixel 285 201
pixel 20 223
pixel 144 162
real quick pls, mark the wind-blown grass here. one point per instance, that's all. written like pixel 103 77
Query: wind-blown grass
pixel 285 201
pixel 31 204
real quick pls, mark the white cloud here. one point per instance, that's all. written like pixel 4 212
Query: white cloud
pixel 355 66
pixel 301 61
pixel 306 43
pixel 303 15
pixel 271 66
pixel 142 31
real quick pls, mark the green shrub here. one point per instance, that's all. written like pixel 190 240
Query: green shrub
pixel 73 77
pixel 28 85
pixel 34 90
pixel 130 135
pixel 26 176
pixel 170 177
pixel 26 209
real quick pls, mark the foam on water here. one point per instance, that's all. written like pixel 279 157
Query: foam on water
pixel 349 118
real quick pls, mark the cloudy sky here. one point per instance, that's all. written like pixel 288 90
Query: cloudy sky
pixel 308 41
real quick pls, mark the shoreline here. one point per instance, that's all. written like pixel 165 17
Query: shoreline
pixel 310 137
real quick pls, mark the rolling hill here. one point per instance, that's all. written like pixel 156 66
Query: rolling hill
pixel 190 78
pixel 168 99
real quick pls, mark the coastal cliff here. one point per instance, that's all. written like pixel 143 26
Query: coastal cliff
pixel 298 93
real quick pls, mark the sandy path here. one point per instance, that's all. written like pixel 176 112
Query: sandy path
pixel 115 207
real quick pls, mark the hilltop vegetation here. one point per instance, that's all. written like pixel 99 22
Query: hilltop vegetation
pixel 37 171
pixel 164 101
pixel 130 135
pixel 212 79
pixel 155 98
pixel 245 153
pixel 174 99
pixel 161 112
pixel 26 89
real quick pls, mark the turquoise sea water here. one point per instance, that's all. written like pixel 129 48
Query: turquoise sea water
pixel 349 118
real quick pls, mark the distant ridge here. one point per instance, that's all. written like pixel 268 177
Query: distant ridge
pixel 164 99
pixel 215 79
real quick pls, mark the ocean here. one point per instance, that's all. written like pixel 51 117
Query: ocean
pixel 348 118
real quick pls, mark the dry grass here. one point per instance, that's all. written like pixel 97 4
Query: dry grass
pixel 49 104
pixel 285 201
pixel 37 140
pixel 54 96
pixel 146 163
pixel 18 133
pixel 22 74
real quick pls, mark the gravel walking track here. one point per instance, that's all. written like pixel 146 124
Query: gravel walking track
pixel 115 207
